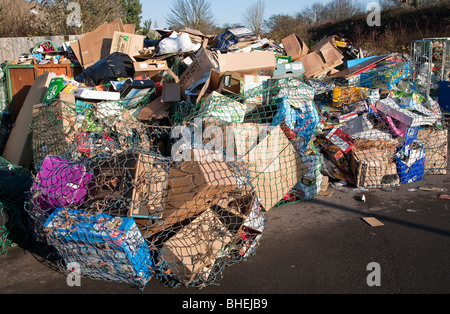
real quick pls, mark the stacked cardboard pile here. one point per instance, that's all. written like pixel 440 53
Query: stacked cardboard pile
pixel 170 161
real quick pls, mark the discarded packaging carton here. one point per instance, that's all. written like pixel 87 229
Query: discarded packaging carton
pixel 18 149
pixel 96 94
pixel 324 57
pixel 104 246
pixel 373 163
pixel 294 47
pixel 131 184
pixel 436 149
pixel 192 252
pixel 235 212
pixel 294 69
pixel 127 43
pixel 96 45
pixel 202 64
pixel 157 109
pixel 405 116
pixel 274 167
pixel 253 85
pixel 193 187
pixel 54 127
pixel 411 162
pixel 340 139
pixel 150 67
pixel 345 95
pixel 251 63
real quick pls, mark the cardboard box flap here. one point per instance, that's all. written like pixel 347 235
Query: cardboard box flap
pixel 202 64
pixel 18 148
pixel 253 63
pixel 157 109
pixel 96 45
pixel 294 47
pixel 131 44
pixel 275 167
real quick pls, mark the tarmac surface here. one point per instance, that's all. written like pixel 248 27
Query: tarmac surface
pixel 321 246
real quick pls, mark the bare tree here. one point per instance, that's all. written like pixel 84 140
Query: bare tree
pixel 254 16
pixel 342 9
pixel 194 14
pixel 279 26
pixel 52 15
pixel 314 14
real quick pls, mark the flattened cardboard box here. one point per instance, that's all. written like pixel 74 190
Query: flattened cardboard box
pixel 193 187
pixel 436 149
pixel 251 63
pixel 203 63
pixel 374 166
pixel 131 44
pixel 139 180
pixel 275 167
pixel 18 149
pixel 294 47
pixel 192 252
pixel 54 127
pixel 96 45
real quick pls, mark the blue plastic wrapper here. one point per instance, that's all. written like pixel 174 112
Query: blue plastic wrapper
pixel 106 247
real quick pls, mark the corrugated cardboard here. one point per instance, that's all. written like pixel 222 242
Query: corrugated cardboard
pixel 203 63
pixel 436 149
pixel 192 252
pixel 54 127
pixel 373 163
pixel 142 177
pixel 149 66
pixel 251 63
pixel 294 47
pixel 157 109
pixel 131 44
pixel 275 167
pixel 193 188
pixel 323 58
pixel 96 45
pixel 18 149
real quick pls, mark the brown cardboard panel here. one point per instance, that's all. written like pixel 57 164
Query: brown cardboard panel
pixel 129 28
pixel 274 167
pixel 96 45
pixel 157 109
pixel 142 176
pixel 54 127
pixel 372 221
pixel 436 145
pixel 193 187
pixel 18 149
pixel 191 252
pixel 251 63
pixel 202 64
pixel 128 43
pixel 294 47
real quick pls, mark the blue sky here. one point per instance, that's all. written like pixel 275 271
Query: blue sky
pixel 226 11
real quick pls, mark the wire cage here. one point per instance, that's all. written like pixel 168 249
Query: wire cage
pixel 431 64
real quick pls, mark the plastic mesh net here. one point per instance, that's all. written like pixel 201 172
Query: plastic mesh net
pixel 181 197
pixel 15 184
